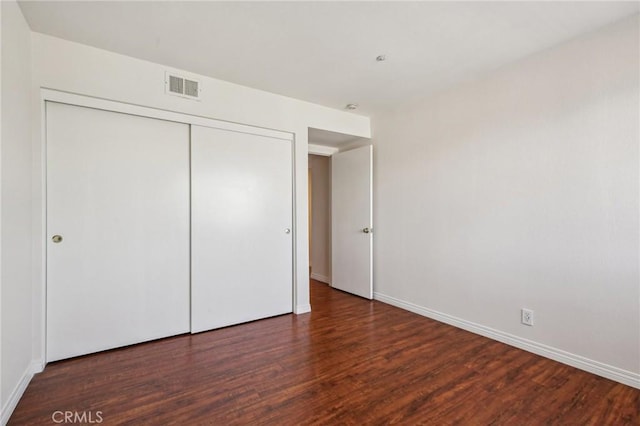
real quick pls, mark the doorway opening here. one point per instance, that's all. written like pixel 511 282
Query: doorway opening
pixel 340 211
pixel 320 218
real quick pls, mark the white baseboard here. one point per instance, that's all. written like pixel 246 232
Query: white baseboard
pixel 37 366
pixel 18 391
pixel 320 278
pixel 302 309
pixel 608 371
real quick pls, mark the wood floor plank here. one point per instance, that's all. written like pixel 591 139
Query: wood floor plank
pixel 349 362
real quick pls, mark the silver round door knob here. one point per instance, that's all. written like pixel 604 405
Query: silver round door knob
pixel 366 230
pixel 56 239
pixel 287 230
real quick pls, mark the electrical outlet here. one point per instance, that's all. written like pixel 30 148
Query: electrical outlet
pixel 526 316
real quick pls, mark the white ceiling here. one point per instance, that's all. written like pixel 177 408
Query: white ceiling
pixel 324 52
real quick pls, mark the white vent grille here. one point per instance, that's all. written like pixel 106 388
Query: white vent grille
pixel 176 84
pixel 191 87
pixel 181 86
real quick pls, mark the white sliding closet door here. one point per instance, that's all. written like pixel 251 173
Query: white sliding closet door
pixel 241 227
pixel 118 197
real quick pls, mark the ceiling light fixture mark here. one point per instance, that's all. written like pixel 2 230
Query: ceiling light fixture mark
pixel 351 106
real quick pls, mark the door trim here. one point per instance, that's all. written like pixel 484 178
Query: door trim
pixel 325 151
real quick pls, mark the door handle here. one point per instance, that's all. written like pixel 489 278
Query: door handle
pixel 56 239
pixel 367 230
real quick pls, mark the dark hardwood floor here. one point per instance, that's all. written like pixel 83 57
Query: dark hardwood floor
pixel 350 361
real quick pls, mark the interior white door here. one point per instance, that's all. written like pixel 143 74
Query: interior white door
pixel 118 198
pixel 241 227
pixel 352 221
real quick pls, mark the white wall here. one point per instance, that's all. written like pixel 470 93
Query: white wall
pixel 84 70
pixel 320 167
pixel 521 190
pixel 15 260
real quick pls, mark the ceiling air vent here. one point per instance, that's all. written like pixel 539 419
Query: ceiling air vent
pixel 182 86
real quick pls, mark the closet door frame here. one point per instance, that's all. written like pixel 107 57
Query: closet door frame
pixel 40 176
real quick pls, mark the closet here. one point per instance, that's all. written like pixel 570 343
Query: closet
pixel 158 227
